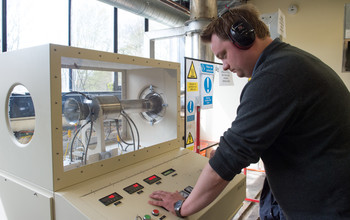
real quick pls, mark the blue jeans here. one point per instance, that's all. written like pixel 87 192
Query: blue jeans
pixel 269 208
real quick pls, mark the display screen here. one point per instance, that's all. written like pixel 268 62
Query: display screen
pixel 152 179
pixel 167 172
pixel 107 200
pixel 133 188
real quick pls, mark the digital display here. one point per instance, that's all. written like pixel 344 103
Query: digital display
pixel 167 172
pixel 133 188
pixel 107 200
pixel 152 179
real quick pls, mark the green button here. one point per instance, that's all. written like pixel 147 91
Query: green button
pixel 146 217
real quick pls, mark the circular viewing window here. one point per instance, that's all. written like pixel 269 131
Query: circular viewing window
pixel 21 114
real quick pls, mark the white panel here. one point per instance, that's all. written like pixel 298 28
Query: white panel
pixel 29 67
pixel 23 201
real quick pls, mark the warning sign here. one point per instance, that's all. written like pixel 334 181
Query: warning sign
pixel 189 139
pixel 192 86
pixel 192 73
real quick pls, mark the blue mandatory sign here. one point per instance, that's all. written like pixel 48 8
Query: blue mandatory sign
pixel 207 100
pixel 190 118
pixel 190 106
pixel 207 68
pixel 207 85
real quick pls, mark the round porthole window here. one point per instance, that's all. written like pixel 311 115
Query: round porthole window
pixel 21 115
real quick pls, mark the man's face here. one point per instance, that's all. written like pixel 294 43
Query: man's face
pixel 233 58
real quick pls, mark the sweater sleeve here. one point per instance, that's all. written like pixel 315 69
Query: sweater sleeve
pixel 267 104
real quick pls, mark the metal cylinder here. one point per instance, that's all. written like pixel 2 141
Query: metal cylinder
pixel 202 12
pixel 136 105
pixel 109 105
pixel 203 9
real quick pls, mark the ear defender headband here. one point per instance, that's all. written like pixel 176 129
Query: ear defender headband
pixel 242 34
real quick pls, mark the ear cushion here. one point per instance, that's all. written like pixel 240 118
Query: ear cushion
pixel 242 34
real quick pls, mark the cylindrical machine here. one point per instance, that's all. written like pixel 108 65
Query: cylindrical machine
pixel 151 105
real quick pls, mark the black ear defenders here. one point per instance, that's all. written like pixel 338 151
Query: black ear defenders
pixel 241 33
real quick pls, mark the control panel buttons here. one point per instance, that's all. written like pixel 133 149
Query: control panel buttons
pixel 155 212
pixel 146 217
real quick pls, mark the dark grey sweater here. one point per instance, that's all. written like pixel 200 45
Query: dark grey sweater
pixel 295 115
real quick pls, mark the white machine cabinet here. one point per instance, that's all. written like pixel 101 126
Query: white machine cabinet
pixel 89 135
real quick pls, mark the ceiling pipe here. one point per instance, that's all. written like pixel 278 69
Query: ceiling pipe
pixel 202 13
pixel 156 10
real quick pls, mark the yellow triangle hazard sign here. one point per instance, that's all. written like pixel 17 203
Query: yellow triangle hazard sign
pixel 189 139
pixel 192 73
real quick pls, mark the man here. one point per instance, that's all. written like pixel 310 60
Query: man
pixel 294 114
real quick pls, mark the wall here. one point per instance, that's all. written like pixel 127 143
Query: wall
pixel 317 27
pixel 215 121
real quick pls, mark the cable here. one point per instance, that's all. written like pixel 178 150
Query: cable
pixel 80 93
pixel 88 142
pixel 73 139
pixel 120 137
pixel 137 131
pixel 132 132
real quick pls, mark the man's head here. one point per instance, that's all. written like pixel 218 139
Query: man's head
pixel 221 25
pixel 237 58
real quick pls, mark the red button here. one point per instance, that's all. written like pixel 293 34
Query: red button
pixel 155 212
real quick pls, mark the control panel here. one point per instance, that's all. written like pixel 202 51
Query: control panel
pixel 125 194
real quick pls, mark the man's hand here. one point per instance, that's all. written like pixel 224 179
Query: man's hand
pixel 165 199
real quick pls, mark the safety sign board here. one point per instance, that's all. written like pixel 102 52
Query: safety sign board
pixel 207 68
pixel 190 109
pixel 225 78
pixel 207 85
pixel 192 73
pixel 189 139
pixel 192 86
pixel 207 91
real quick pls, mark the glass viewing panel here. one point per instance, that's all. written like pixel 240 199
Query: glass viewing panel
pixel 21 115
pixel 111 109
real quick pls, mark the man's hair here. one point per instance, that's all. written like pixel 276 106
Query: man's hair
pixel 222 24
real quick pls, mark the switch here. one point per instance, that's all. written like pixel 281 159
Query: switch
pixel 146 217
pixel 155 212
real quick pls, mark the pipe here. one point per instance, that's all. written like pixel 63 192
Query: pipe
pixel 203 9
pixel 152 9
pixel 202 13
